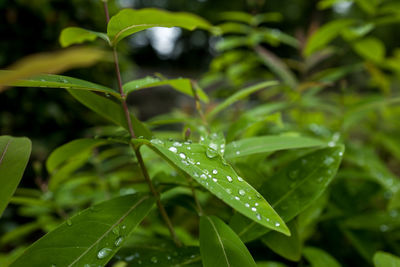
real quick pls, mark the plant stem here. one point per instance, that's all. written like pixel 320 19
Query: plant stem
pixel 198 104
pixel 145 173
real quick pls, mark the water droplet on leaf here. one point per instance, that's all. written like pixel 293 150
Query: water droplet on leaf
pixel 104 252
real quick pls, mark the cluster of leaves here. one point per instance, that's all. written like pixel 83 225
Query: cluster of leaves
pixel 234 178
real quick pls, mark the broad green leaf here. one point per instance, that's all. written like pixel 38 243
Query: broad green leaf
pixel 218 177
pixel 110 110
pixel 371 49
pixel 54 62
pixel 91 237
pixel 240 95
pixel 129 21
pixel 76 35
pixel 277 66
pixel 59 81
pixel 220 246
pixel 263 144
pixel 67 151
pixel 294 188
pixel 325 34
pixel 14 155
pixel 288 247
pixel 181 85
pixel 384 259
pixel 317 257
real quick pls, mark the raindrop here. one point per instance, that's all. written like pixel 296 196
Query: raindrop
pixel 203 176
pixel 198 163
pixel 177 144
pixel 240 179
pixel 118 241
pixel 168 257
pixel 229 178
pixel 229 191
pixel 393 213
pixel 156 141
pixel 277 224
pixel 214 171
pixel 69 222
pixel 258 216
pixel 328 161
pixel 129 258
pixel 256 204
pixel 182 155
pixel 253 209
pixel 247 205
pixel 211 153
pixel 383 228
pixel 123 227
pixel 237 198
pixel 258 195
pixel 238 152
pixel 154 259
pixel 213 146
pixel 115 230
pixel 241 192
pixel 104 252
pixel 173 149
pixel 215 179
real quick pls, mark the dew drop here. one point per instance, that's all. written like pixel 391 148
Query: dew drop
pixel 238 152
pixel 240 179
pixel 177 144
pixel 154 259
pixel 258 216
pixel 328 161
pixel 214 179
pixel 198 163
pixel 256 204
pixel 173 149
pixel 253 209
pixel 211 153
pixel 229 191
pixel 182 155
pixel 229 179
pixel 241 192
pixel 168 257
pixel 118 241
pixel 247 205
pixel 214 171
pixel 383 228
pixel 104 252
pixel 277 224
pixel 237 198
pixel 115 230
pixel 69 222
pixel 203 176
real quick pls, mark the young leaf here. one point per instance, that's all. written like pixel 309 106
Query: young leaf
pixel 129 21
pixel 262 144
pixel 69 150
pixel 212 172
pixel 181 85
pixel 76 35
pixel 59 81
pixel 317 257
pixel 240 95
pixel 14 155
pixel 220 246
pixel 110 110
pixel 288 247
pixel 294 188
pixel 91 237
pixel 54 62
pixel 325 34
pixel 384 259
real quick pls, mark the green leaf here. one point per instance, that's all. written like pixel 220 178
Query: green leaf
pixel 240 95
pixel 288 247
pixel 325 34
pixel 218 177
pixel 317 257
pixel 110 110
pixel 69 150
pixel 384 259
pixel 76 35
pixel 220 246
pixel 181 85
pixel 374 221
pixel 129 21
pixel 14 155
pixel 54 62
pixel 294 188
pixel 263 144
pixel 59 81
pixel 270 264
pixel 370 49
pixel 91 237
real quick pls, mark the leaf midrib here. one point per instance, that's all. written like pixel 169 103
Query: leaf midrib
pixel 5 150
pixel 109 230
pixel 220 240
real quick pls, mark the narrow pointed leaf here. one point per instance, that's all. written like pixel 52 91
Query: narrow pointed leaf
pixel 220 246
pixel 91 237
pixel 110 110
pixel 240 95
pixel 14 155
pixel 384 259
pixel 54 62
pixel 317 257
pixel 212 172
pixel 129 21
pixel 76 35
pixel 294 188
pixel 262 144
pixel 59 81
pixel 181 85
